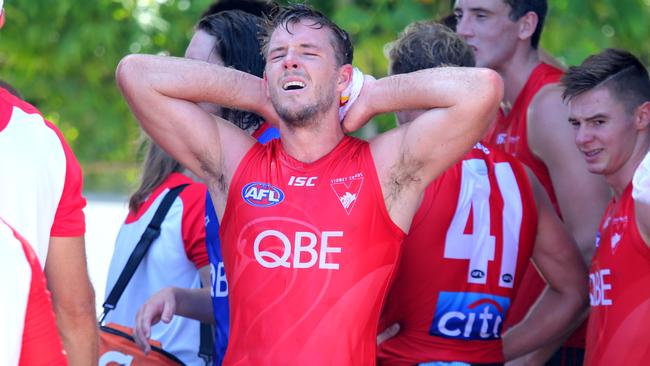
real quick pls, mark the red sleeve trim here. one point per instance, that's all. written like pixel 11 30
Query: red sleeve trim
pixel 69 220
pixel 193 224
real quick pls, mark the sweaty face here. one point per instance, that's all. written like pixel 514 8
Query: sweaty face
pixel 202 48
pixel 301 73
pixel 604 131
pixel 487 28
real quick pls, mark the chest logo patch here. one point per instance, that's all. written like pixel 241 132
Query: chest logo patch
pixel 262 194
pixel 347 190
pixel 617 228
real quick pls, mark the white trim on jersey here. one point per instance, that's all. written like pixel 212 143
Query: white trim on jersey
pixel 32 155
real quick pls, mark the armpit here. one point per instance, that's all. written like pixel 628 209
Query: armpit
pixel 402 176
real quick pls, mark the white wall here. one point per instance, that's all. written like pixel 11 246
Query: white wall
pixel 104 215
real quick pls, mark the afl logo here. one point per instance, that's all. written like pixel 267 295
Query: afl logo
pixel 477 273
pixel 262 194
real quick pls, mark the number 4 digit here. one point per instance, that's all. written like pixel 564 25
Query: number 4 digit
pixel 479 246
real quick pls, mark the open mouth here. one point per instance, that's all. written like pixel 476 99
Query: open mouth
pixel 293 85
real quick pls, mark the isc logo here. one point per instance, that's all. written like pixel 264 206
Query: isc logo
pixel 262 194
pixel 302 181
pixel 469 316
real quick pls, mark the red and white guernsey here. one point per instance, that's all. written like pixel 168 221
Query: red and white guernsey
pixel 173 259
pixel 619 290
pixel 28 334
pixel 462 263
pixel 309 250
pixel 40 191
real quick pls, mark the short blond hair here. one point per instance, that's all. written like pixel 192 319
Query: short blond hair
pixel 427 44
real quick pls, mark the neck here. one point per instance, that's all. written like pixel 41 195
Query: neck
pixel 515 73
pixel 312 142
pixel 620 179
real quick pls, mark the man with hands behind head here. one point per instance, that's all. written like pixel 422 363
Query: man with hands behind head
pixel 311 223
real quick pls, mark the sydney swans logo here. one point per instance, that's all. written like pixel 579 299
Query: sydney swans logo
pixel 347 190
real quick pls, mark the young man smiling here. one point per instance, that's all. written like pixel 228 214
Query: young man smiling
pixel 609 100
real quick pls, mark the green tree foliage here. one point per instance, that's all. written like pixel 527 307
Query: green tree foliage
pixel 61 55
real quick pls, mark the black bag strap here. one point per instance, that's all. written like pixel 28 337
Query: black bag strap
pixel 150 234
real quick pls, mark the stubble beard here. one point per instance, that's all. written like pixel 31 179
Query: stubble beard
pixel 306 115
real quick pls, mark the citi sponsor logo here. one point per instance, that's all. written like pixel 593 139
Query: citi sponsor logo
pixel 262 194
pixel 469 316
pixel 302 181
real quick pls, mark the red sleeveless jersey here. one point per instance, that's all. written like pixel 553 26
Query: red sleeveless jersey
pixel 462 263
pixel 309 250
pixel 619 290
pixel 510 132
pixel 511 135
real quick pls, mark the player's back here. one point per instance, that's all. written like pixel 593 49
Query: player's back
pixel 462 263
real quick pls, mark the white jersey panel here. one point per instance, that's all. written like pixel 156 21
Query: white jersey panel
pixel 31 152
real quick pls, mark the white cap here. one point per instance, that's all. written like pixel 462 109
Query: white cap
pixel 2 4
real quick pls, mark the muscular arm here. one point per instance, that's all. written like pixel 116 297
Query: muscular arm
pixel 73 299
pixel 565 297
pixel 164 92
pixel 582 196
pixel 459 104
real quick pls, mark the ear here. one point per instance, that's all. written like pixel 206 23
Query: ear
pixel 527 24
pixel 344 77
pixel 642 116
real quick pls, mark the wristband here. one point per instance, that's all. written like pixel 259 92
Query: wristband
pixel 350 94
pixel 641 181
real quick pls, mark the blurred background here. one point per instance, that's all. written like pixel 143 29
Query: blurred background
pixel 61 56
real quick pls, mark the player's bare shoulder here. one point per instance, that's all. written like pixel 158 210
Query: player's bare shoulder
pixel 547 118
pixel 545 105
